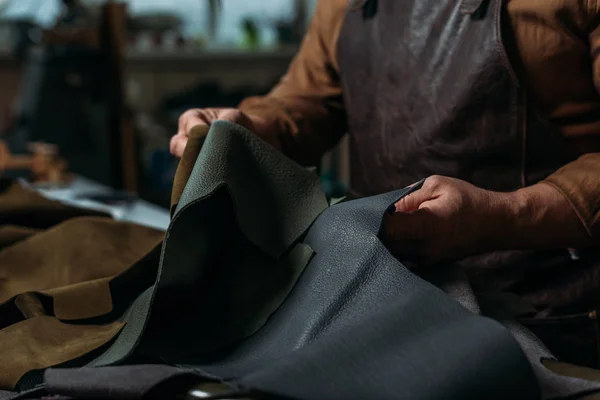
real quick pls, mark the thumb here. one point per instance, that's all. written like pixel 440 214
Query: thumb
pixel 412 201
pixel 177 145
pixel 189 119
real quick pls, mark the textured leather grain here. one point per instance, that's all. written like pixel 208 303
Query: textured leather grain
pixel 359 324
pixel 354 323
pixel 231 254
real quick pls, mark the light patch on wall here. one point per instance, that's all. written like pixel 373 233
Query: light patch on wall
pixel 193 12
pixel 44 12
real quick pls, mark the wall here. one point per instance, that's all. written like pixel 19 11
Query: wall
pixel 153 76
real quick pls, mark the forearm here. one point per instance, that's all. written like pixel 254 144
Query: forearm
pixel 303 116
pixel 541 217
pixel 269 129
pixel 302 128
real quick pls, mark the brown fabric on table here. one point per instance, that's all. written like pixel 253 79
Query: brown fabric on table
pixel 78 250
pixel 30 305
pixel 45 341
pixel 56 266
pixel 97 295
pixel 11 234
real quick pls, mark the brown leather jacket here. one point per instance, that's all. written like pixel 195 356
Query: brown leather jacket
pixel 555 48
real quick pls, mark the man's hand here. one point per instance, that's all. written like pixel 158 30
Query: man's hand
pixel 446 219
pixel 449 219
pixel 207 116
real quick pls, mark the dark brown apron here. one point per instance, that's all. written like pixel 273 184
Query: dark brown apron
pixel 429 90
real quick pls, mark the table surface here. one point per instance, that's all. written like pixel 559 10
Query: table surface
pixel 136 211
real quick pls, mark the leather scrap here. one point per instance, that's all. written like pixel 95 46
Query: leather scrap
pixel 59 260
pixel 231 254
pixel 50 342
pixel 96 295
pixel 51 260
pixel 264 184
pixel 351 321
pixel 11 234
pixel 29 305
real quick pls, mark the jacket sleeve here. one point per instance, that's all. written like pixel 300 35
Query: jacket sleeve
pixel 579 181
pixel 306 105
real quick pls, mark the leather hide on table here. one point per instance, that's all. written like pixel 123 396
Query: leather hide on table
pixel 263 284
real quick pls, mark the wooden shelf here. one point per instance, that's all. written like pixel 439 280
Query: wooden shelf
pixel 195 56
pixel 213 55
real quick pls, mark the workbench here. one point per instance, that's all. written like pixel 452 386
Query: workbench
pixel 83 192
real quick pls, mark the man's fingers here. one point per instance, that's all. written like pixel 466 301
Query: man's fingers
pixel 205 117
pixel 189 119
pixel 237 117
pixel 181 144
pixel 173 144
pixel 429 191
pixel 412 201
pixel 177 145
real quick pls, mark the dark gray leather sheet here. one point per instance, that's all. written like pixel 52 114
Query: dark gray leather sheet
pixel 264 285
pixel 231 254
pixel 358 323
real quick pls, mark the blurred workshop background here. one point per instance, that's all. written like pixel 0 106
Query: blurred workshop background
pixel 98 85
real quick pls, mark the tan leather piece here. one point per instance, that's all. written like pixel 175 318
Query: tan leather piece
pixel 10 234
pixel 78 250
pixel 69 254
pixel 44 341
pixel 187 162
pixel 78 301
pixel 30 305
pixel 95 296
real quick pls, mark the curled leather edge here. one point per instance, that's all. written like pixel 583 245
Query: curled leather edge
pixel 186 164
